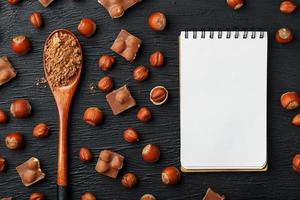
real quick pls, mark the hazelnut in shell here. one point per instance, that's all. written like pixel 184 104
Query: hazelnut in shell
pixel 106 84
pixel 296 163
pixel 144 114
pixel 157 59
pixel 151 153
pixel 106 62
pixel 130 135
pixel 36 196
pixel 85 154
pixel 129 180
pixel 3 117
pixel 284 36
pixel 88 196
pixel 41 130
pixel 148 197
pixel 157 21
pixel 171 176
pixel 235 4
pixel 290 100
pixel 87 27
pixel 20 108
pixel 14 140
pixel 140 73
pixel 93 116
pixel 20 45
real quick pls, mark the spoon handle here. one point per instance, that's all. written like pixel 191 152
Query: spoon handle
pixel 62 164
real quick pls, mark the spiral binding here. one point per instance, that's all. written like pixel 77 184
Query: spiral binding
pixel 229 34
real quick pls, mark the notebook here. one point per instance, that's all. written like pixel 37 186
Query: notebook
pixel 223 101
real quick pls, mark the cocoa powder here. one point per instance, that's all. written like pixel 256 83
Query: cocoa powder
pixel 63 59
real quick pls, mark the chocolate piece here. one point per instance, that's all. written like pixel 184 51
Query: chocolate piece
pixel 30 171
pixel 126 45
pixel 7 72
pixel 120 100
pixel 109 163
pixel 117 8
pixel 211 195
pixel 46 3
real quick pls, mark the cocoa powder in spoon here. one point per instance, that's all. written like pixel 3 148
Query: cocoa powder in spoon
pixel 63 59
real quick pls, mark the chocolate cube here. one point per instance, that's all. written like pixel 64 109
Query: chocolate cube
pixel 46 3
pixel 109 163
pixel 211 195
pixel 117 8
pixel 7 72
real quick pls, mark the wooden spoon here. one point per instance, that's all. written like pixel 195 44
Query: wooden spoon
pixel 63 97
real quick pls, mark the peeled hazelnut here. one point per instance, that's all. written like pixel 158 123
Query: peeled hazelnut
pixel 284 36
pixel 29 176
pixel 235 4
pixel 296 120
pixel 88 196
pixel 85 154
pixel 13 2
pixel 170 176
pixel 131 135
pixel 290 100
pixel 148 197
pixel 151 153
pixel 106 84
pixel 106 62
pixel 129 180
pixel 2 164
pixel 20 108
pixel 140 73
pixel 296 163
pixel 87 27
pixel 144 114
pixel 41 130
pixel 157 21
pixel 93 116
pixel 158 95
pixel 122 97
pixel 36 20
pixel 3 117
pixel 20 45
pixel 36 196
pixel 14 140
pixel 156 59
pixel 287 7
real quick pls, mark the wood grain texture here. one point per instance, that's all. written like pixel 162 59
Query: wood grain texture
pixel 280 182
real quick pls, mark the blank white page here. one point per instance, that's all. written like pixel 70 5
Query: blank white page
pixel 223 92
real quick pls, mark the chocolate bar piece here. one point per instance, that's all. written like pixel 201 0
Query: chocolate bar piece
pixel 211 195
pixel 117 8
pixel 126 45
pixel 120 100
pixel 109 163
pixel 46 3
pixel 7 72
pixel 30 171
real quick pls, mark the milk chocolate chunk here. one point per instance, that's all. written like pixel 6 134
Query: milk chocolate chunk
pixel 109 163
pixel 117 8
pixel 120 100
pixel 7 72
pixel 126 45
pixel 211 195
pixel 46 3
pixel 30 171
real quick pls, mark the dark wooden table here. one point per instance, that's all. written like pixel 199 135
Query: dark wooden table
pixel 280 182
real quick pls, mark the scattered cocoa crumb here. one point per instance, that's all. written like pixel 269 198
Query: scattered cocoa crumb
pixel 92 87
pixel 42 82
pixel 63 59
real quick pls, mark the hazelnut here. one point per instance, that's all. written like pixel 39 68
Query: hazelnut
pixel 296 120
pixel 93 116
pixel 36 196
pixel 151 153
pixel 29 176
pixel 129 180
pixel 131 135
pixel 290 100
pixel 88 196
pixel 20 108
pixel 85 154
pixel 106 84
pixel 157 59
pixel 287 7
pixel 144 114
pixel 20 45
pixel 41 130
pixel 140 73
pixel 14 140
pixel 158 95
pixel 284 36
pixel 157 21
pixel 296 163
pixel 87 27
pixel 2 164
pixel 148 197
pixel 36 20
pixel 235 4
pixel 122 97
pixel 3 117
pixel 170 176
pixel 13 2
pixel 106 62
